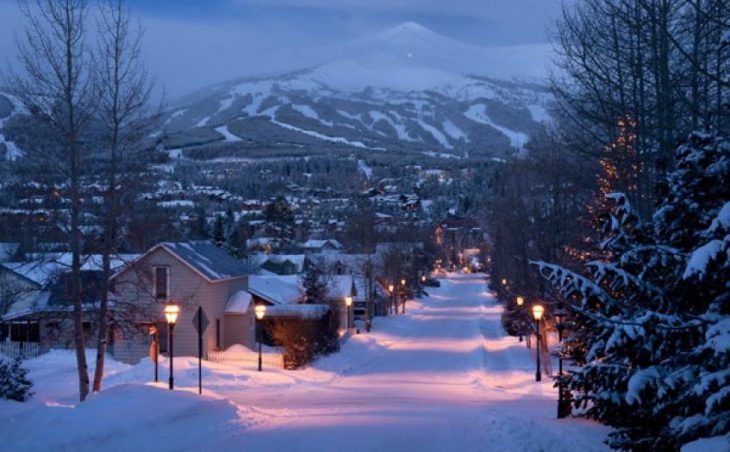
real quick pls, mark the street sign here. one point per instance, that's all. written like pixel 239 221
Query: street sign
pixel 200 321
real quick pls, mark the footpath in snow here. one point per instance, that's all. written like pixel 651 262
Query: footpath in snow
pixel 443 377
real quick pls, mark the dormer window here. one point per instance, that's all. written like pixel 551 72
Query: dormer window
pixel 162 282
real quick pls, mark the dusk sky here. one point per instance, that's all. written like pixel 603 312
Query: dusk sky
pixel 191 44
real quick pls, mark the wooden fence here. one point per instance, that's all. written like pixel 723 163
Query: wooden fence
pixel 22 350
pixel 270 360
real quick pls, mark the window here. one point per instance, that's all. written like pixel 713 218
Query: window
pixel 162 283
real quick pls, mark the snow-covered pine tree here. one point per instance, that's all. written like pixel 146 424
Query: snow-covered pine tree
pixel 314 284
pixel 620 169
pixel 219 235
pixel 695 219
pixel 652 328
pixel 14 384
pixel 613 332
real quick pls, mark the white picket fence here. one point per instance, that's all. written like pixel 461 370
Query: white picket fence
pixel 270 360
pixel 22 350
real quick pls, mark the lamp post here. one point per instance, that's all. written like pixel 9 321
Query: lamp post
pixel 348 304
pixel 537 311
pixel 520 301
pixel 563 407
pixel 260 313
pixel 403 291
pixel 391 289
pixel 171 312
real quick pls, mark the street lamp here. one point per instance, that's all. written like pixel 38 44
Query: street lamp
pixel 391 289
pixel 537 311
pixel 348 304
pixel 423 278
pixel 171 312
pixel 504 282
pixel 404 295
pixel 260 313
pixel 520 302
pixel 563 407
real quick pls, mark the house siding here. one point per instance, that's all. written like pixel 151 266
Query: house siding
pixel 238 329
pixel 188 289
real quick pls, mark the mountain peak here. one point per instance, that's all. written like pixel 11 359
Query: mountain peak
pixel 409 28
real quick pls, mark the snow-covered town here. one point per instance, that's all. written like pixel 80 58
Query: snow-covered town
pixel 320 225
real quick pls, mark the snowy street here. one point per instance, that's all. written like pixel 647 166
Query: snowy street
pixel 442 377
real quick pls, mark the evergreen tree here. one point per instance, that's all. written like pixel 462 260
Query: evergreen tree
pixel 279 213
pixel 619 172
pixel 236 243
pixel 14 384
pixel 219 236
pixel 652 323
pixel 314 284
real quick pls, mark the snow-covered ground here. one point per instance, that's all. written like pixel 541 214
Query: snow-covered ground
pixel 442 377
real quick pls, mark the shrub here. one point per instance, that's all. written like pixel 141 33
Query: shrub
pixel 304 339
pixel 14 385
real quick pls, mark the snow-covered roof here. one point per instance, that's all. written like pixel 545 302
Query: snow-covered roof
pixel 304 311
pixel 211 261
pixel 277 289
pixel 319 244
pixel 354 263
pixel 238 303
pixel 340 286
pixel 296 259
pixel 50 265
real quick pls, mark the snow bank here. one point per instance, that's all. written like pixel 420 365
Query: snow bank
pixel 126 417
pixel 714 444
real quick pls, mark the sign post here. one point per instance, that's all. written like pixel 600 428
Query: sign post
pixel 200 323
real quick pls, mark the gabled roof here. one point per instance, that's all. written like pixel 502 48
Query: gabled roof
pixel 319 244
pixel 50 265
pixel 238 303
pixel 277 289
pixel 206 259
pixel 209 260
pixel 340 286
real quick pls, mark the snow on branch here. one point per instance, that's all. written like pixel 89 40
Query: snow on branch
pixel 570 284
pixel 621 279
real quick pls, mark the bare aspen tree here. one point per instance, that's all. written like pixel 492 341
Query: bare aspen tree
pixel 124 92
pixel 55 86
pixel 658 63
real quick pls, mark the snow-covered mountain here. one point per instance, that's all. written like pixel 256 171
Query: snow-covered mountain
pixel 9 107
pixel 404 89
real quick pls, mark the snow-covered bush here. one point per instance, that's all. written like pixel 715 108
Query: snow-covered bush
pixel 651 336
pixel 14 384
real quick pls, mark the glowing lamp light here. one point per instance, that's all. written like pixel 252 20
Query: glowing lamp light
pixel 537 312
pixel 504 281
pixel 423 278
pixel 520 301
pixel 348 301
pixel 402 282
pixel 390 288
pixel 260 311
pixel 171 313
